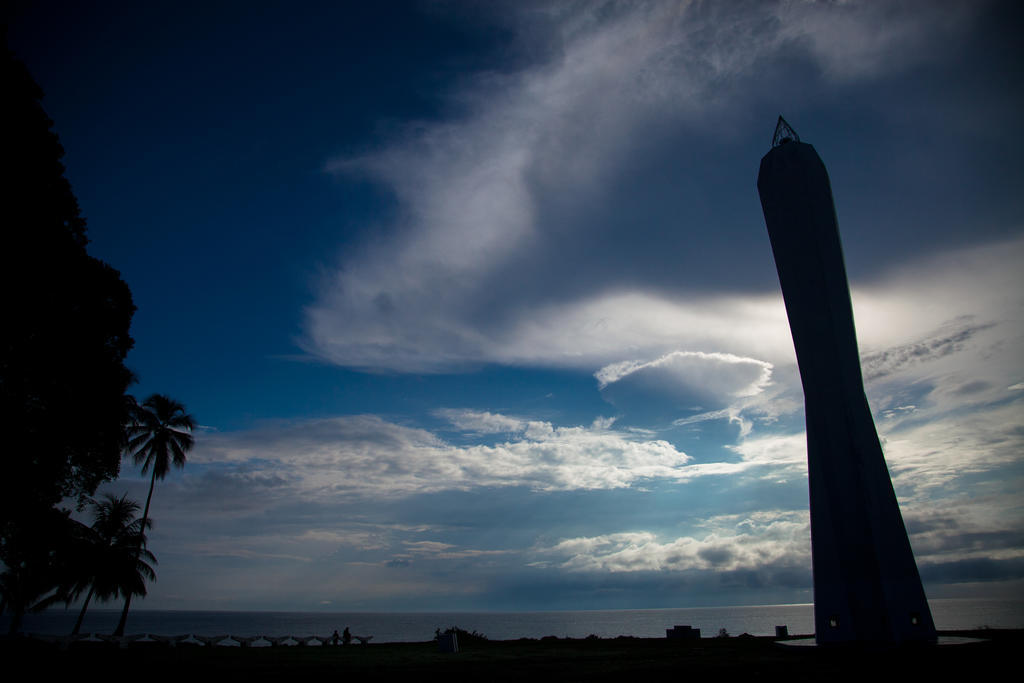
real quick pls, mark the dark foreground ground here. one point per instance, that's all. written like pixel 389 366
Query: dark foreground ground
pixel 632 660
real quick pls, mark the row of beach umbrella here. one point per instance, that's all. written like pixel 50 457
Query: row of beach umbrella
pixel 194 639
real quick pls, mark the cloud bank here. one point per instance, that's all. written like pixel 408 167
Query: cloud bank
pixel 506 249
pixel 363 456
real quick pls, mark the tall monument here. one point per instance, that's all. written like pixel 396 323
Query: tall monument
pixel 866 584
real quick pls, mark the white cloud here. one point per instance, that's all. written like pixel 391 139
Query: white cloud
pixel 355 457
pixel 718 373
pixel 368 456
pixel 756 542
pixel 482 422
pixel 783 453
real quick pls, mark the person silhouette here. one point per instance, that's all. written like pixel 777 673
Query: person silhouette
pixel 346 637
pixel 335 637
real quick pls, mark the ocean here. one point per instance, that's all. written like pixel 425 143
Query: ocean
pixel 949 614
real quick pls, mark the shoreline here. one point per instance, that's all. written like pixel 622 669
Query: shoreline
pixel 472 640
pixel 655 659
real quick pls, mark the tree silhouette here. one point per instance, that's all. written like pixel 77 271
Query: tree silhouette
pixel 113 564
pixel 40 564
pixel 159 436
pixel 66 334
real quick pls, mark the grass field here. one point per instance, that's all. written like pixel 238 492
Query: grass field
pixel 633 660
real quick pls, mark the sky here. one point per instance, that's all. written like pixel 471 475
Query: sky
pixel 475 306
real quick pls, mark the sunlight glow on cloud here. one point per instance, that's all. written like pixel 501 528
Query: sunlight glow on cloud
pixel 600 330
pixel 433 292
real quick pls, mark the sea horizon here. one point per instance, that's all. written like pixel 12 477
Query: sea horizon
pixel 419 626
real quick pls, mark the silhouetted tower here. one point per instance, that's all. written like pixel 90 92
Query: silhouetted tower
pixel 866 584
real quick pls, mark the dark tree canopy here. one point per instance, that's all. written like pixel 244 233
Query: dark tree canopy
pixel 66 319
pixel 41 563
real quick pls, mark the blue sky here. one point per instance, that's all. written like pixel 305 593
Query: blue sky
pixel 475 304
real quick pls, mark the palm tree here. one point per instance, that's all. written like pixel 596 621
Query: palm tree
pixel 159 435
pixel 115 565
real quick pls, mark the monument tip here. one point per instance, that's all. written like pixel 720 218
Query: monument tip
pixel 784 133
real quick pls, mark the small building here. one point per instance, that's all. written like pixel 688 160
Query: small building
pixel 682 633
